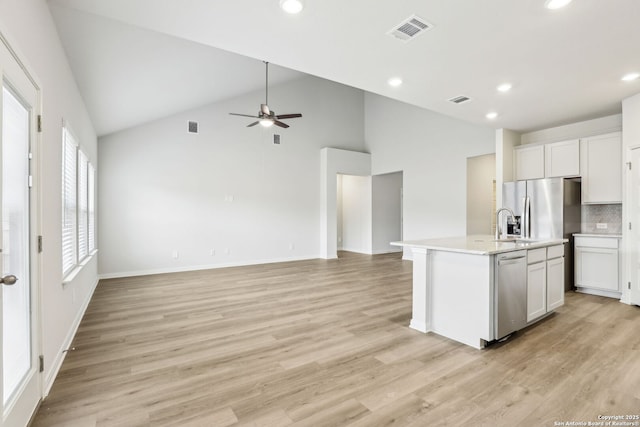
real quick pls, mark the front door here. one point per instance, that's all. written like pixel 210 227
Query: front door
pixel 21 382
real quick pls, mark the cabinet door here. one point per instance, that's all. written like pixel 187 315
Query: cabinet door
pixel 597 268
pixel 555 283
pixel 529 162
pixel 562 159
pixel 601 166
pixel 536 290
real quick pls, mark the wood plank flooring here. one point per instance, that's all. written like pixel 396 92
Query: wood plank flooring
pixel 326 343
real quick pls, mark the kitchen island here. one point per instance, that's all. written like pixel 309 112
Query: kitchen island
pixel 455 291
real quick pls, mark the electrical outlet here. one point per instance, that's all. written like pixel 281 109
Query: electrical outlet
pixel 601 225
pixel 174 254
pixel 227 251
pixel 291 246
pixel 212 252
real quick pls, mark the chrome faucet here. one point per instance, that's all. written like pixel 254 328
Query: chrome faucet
pixel 498 224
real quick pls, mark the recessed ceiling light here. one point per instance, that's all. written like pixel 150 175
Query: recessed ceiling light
pixel 394 81
pixel 631 77
pixel 492 115
pixel 556 4
pixel 504 87
pixel 291 6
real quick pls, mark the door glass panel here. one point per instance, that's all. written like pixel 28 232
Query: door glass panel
pixel 16 330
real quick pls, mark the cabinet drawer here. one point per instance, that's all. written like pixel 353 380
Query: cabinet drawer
pixel 555 251
pixel 596 242
pixel 536 255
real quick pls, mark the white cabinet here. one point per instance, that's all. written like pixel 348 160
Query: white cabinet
pixel 558 159
pixel 545 281
pixel 529 162
pixel 536 290
pixel 596 266
pixel 601 167
pixel 555 283
pixel 562 159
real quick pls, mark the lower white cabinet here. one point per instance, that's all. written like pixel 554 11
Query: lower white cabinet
pixel 545 281
pixel 596 266
pixel 536 290
pixel 555 283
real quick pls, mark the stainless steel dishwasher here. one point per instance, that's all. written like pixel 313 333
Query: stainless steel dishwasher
pixel 510 293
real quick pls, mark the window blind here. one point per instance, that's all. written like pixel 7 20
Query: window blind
pixel 69 212
pixel 92 207
pixel 83 206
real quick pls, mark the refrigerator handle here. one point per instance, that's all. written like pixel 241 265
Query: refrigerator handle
pixel 526 221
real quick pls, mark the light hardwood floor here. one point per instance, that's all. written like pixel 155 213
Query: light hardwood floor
pixel 326 343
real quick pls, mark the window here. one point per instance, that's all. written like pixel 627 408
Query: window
pixel 78 204
pixel 69 195
pixel 92 208
pixel 83 206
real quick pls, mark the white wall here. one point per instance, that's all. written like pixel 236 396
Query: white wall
pixel 575 130
pixel 431 149
pixel 227 189
pixel 28 26
pixel 356 219
pixel 386 212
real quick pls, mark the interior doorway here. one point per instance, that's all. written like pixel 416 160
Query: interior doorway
pixel 369 212
pixel 481 194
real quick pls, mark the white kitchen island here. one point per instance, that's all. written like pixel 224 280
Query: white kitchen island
pixel 453 284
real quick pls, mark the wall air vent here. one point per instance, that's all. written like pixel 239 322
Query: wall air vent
pixel 193 127
pixel 410 28
pixel 460 99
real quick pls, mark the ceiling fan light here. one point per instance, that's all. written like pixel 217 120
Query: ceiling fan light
pixel 291 6
pixel 267 123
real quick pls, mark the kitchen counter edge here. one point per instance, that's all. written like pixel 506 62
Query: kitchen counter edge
pixel 477 244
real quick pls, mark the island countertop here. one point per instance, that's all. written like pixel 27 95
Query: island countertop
pixel 479 244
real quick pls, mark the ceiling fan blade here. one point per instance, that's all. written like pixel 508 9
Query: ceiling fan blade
pixel 282 125
pixel 288 116
pixel 244 115
pixel 264 108
pixel 253 124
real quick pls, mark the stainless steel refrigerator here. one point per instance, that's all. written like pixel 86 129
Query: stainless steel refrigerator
pixel 546 209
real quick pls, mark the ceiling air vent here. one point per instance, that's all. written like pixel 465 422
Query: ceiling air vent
pixel 410 28
pixel 460 99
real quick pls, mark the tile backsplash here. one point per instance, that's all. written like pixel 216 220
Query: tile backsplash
pixel 604 214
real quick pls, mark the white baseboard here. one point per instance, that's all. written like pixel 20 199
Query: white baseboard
pixel 165 270
pixel 56 364
pixel 599 292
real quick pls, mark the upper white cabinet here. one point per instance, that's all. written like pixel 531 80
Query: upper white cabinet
pixel 601 166
pixel 529 162
pixel 558 159
pixel 562 159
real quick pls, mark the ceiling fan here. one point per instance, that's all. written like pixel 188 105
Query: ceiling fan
pixel 267 117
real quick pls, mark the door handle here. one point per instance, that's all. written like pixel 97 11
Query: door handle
pixel 9 280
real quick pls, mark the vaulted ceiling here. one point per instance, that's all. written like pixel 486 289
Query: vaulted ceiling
pixel 138 60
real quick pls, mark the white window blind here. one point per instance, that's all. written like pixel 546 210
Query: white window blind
pixel 83 206
pixel 92 208
pixel 69 206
